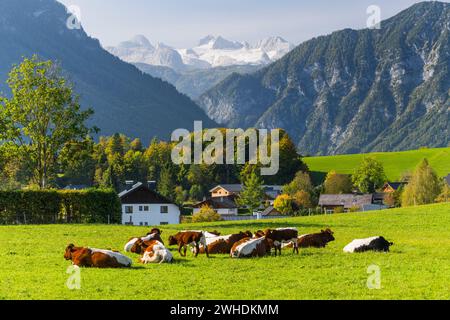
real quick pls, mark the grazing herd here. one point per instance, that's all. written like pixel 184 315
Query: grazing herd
pixel 151 247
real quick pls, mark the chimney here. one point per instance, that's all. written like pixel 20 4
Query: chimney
pixel 129 184
pixel 151 185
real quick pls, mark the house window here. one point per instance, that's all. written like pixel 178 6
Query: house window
pixel 141 224
pixel 145 223
pixel 129 209
pixel 164 223
pixel 164 209
pixel 140 208
pixel 146 208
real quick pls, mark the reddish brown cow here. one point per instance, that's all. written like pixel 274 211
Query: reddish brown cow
pixel 316 240
pixel 88 257
pixel 281 235
pixel 259 234
pixel 223 244
pixel 313 240
pixel 183 239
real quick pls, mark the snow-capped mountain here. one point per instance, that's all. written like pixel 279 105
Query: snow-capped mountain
pixel 210 52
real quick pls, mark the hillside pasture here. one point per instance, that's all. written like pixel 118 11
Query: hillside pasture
pixel 395 163
pixel 32 264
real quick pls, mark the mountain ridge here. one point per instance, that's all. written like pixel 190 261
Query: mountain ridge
pixel 211 51
pixel 124 99
pixel 353 90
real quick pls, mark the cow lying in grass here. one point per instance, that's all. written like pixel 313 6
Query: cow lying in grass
pixel 282 235
pixel 368 244
pixel 251 247
pixel 313 240
pixel 185 238
pixel 89 257
pixel 223 244
pixel 154 234
pixel 152 251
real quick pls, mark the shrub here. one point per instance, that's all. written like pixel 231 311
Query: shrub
pixel 283 203
pixel 206 214
pixel 51 206
pixel 339 210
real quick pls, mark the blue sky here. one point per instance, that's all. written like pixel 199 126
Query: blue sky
pixel 181 23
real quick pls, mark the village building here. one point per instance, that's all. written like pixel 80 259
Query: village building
pixel 225 206
pixel 447 179
pixel 143 206
pixel 391 187
pixel 347 202
pixel 223 198
pixel 271 191
pixel 270 211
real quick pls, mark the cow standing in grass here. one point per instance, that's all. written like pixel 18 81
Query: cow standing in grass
pixel 98 258
pixel 281 235
pixel 185 238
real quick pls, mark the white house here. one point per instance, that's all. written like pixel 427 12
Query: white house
pixel 141 206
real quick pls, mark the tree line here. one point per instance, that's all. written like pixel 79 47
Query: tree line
pixel 45 143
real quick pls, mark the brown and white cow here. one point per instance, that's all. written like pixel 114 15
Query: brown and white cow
pixel 156 252
pixel 185 238
pixel 98 258
pixel 282 235
pixel 152 251
pixel 251 247
pixel 313 240
pixel 154 234
pixel 223 244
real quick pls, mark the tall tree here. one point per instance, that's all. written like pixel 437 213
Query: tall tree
pixel 301 181
pixel 252 193
pixel 337 183
pixel 369 176
pixel 42 116
pixel 166 184
pixel 424 186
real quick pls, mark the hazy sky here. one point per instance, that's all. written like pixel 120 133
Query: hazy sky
pixel 181 23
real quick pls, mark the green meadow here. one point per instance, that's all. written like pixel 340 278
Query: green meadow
pixel 395 163
pixel 32 264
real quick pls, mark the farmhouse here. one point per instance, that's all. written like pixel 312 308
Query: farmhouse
pixel 143 206
pixel 362 202
pixel 225 205
pixel 271 191
pixel 270 211
pixel 391 187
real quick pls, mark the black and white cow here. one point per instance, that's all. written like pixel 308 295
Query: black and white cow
pixel 369 244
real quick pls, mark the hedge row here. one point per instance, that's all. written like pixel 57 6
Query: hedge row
pixel 51 206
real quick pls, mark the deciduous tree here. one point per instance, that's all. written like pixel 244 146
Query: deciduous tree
pixel 42 115
pixel 424 186
pixel 369 176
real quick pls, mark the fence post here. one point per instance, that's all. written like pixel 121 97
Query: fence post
pixel 109 218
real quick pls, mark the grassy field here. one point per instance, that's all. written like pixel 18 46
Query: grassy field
pixel 395 163
pixel 32 264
